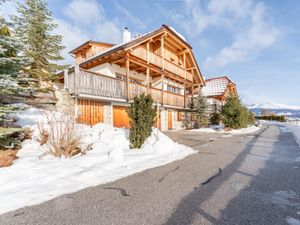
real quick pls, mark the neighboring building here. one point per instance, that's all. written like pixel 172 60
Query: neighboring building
pixel 217 90
pixel 107 77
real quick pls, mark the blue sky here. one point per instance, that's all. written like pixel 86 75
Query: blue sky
pixel 256 43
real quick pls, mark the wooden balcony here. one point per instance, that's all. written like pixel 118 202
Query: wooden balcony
pixel 94 84
pixel 156 60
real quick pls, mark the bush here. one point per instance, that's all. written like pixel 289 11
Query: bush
pixel 235 115
pixel 61 136
pixel 142 116
pixel 272 118
pixel 215 118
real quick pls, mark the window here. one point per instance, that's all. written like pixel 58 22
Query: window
pixel 173 89
pixel 180 116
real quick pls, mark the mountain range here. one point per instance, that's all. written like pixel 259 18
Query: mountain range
pixel 279 109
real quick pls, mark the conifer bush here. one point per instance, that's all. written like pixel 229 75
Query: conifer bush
pixel 235 115
pixel 142 116
pixel 215 118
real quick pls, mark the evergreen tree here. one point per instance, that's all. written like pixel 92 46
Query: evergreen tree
pixel 34 27
pixel 235 114
pixel 201 114
pixel 142 117
pixel 10 59
pixel 187 121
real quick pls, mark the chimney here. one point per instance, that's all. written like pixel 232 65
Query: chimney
pixel 126 35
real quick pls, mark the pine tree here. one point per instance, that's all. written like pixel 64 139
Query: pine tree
pixel 34 27
pixel 142 117
pixel 235 115
pixel 10 58
pixel 201 111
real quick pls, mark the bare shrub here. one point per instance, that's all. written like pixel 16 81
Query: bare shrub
pixel 60 136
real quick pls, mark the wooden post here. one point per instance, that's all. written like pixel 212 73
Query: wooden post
pixel 76 78
pixel 148 79
pixel 192 99
pixel 162 87
pixel 184 90
pixel 162 51
pixel 127 77
pixel 66 79
pixel 147 70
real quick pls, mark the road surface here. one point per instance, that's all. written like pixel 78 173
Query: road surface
pixel 244 179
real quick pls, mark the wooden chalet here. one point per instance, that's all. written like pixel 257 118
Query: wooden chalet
pixel 217 91
pixel 107 77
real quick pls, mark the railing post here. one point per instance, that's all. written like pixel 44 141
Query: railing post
pixel 76 77
pixel 127 77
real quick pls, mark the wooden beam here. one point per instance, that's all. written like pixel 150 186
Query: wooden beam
pixel 127 76
pixel 184 88
pixel 148 79
pixel 76 83
pixel 162 51
pixel 162 87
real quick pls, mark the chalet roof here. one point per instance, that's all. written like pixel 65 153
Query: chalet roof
pixel 89 42
pixel 216 86
pixel 135 40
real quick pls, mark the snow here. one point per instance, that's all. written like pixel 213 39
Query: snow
pixel 288 127
pixel 295 129
pixel 274 106
pixel 220 129
pixel 215 86
pixel 292 221
pixel 178 34
pixel 36 177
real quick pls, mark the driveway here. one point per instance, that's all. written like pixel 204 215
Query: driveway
pixel 244 179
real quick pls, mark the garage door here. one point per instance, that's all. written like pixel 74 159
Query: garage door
pixel 120 117
pixel 90 111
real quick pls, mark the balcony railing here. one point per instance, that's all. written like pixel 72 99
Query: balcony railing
pixel 156 60
pixel 94 84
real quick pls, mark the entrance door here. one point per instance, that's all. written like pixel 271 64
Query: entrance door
pixel 120 117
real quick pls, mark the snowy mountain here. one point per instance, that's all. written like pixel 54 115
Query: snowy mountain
pixel 274 106
pixel 279 109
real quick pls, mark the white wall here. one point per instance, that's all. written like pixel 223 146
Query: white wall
pixel 111 70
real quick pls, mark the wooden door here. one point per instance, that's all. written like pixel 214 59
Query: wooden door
pixel 90 111
pixel 120 117
pixel 157 123
pixel 170 120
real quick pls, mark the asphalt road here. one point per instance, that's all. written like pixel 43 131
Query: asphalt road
pixel 245 179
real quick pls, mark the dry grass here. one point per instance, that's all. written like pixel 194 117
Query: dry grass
pixel 61 136
pixel 7 157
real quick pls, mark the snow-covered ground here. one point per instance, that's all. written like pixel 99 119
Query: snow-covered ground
pixel 35 178
pixel 220 129
pixel 294 128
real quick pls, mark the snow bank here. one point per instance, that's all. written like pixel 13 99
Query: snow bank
pixel 220 129
pixel 35 178
pixel 295 129
pixel 286 127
